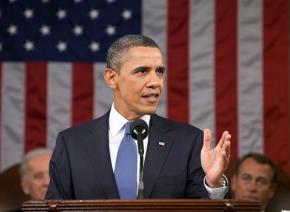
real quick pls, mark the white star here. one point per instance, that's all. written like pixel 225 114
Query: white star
pixel 78 30
pixel 12 30
pixel 44 1
pixel 94 46
pixel 0 47
pixel 110 30
pixel 61 14
pixel 77 1
pixel 127 14
pixel 110 1
pixel 29 45
pixel 94 13
pixel 61 46
pixel 28 13
pixel 0 14
pixel 45 30
pixel 12 1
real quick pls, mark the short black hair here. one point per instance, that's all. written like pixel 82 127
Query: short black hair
pixel 120 47
pixel 262 159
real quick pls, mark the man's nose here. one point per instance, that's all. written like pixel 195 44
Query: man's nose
pixel 154 79
pixel 252 185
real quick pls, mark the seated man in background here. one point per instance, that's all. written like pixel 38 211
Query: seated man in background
pixel 34 173
pixel 254 179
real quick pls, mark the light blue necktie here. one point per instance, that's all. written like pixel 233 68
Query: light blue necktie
pixel 126 166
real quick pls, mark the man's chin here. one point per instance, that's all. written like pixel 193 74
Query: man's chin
pixel 149 110
pixel 141 110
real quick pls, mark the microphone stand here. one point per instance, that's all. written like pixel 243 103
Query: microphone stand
pixel 139 131
pixel 141 154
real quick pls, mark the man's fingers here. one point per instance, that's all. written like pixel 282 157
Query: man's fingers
pixel 227 148
pixel 206 139
pixel 227 144
pixel 223 138
pixel 226 157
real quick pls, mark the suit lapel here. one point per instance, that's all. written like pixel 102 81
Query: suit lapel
pixel 97 145
pixel 157 151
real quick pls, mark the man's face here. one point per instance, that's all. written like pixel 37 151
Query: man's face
pixel 253 182
pixel 36 180
pixel 138 84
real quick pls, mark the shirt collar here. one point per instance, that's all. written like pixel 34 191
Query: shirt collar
pixel 117 121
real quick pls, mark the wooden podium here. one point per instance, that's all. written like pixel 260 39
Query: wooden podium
pixel 141 205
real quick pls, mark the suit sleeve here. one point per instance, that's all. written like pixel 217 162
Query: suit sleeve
pixel 195 187
pixel 60 186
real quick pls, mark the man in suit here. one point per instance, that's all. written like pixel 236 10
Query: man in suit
pixel 255 179
pixel 179 162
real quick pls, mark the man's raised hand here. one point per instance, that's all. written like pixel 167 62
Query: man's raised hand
pixel 215 161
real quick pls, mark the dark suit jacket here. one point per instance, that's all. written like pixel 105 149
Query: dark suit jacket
pixel 81 168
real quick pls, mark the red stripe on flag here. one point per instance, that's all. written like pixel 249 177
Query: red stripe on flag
pixel 177 60
pixel 276 81
pixel 83 93
pixel 35 105
pixel 226 70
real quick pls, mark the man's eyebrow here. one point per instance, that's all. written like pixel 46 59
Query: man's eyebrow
pixel 256 177
pixel 262 177
pixel 161 67
pixel 148 67
pixel 141 68
pixel 245 173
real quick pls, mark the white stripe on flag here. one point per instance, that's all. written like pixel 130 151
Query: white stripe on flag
pixel 250 97
pixel 155 26
pixel 103 95
pixel 201 73
pixel 59 100
pixel 13 94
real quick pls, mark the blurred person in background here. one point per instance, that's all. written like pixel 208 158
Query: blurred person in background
pixel 34 173
pixel 255 179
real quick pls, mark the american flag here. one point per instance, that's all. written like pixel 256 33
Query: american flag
pixel 227 68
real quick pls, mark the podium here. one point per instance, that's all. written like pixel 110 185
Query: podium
pixel 197 205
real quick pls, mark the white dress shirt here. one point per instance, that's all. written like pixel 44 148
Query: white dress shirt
pixel 116 133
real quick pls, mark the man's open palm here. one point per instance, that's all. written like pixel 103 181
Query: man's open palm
pixel 215 161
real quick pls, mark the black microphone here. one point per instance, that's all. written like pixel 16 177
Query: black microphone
pixel 139 131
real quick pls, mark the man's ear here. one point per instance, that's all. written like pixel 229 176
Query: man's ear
pixel 273 189
pixel 110 77
pixel 25 187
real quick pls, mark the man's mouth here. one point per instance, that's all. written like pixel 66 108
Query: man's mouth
pixel 152 98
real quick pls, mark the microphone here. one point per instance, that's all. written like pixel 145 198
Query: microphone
pixel 139 131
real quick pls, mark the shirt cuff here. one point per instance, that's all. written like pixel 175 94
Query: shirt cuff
pixel 217 193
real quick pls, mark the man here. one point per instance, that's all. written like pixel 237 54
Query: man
pixel 255 179
pixel 34 173
pixel 86 157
